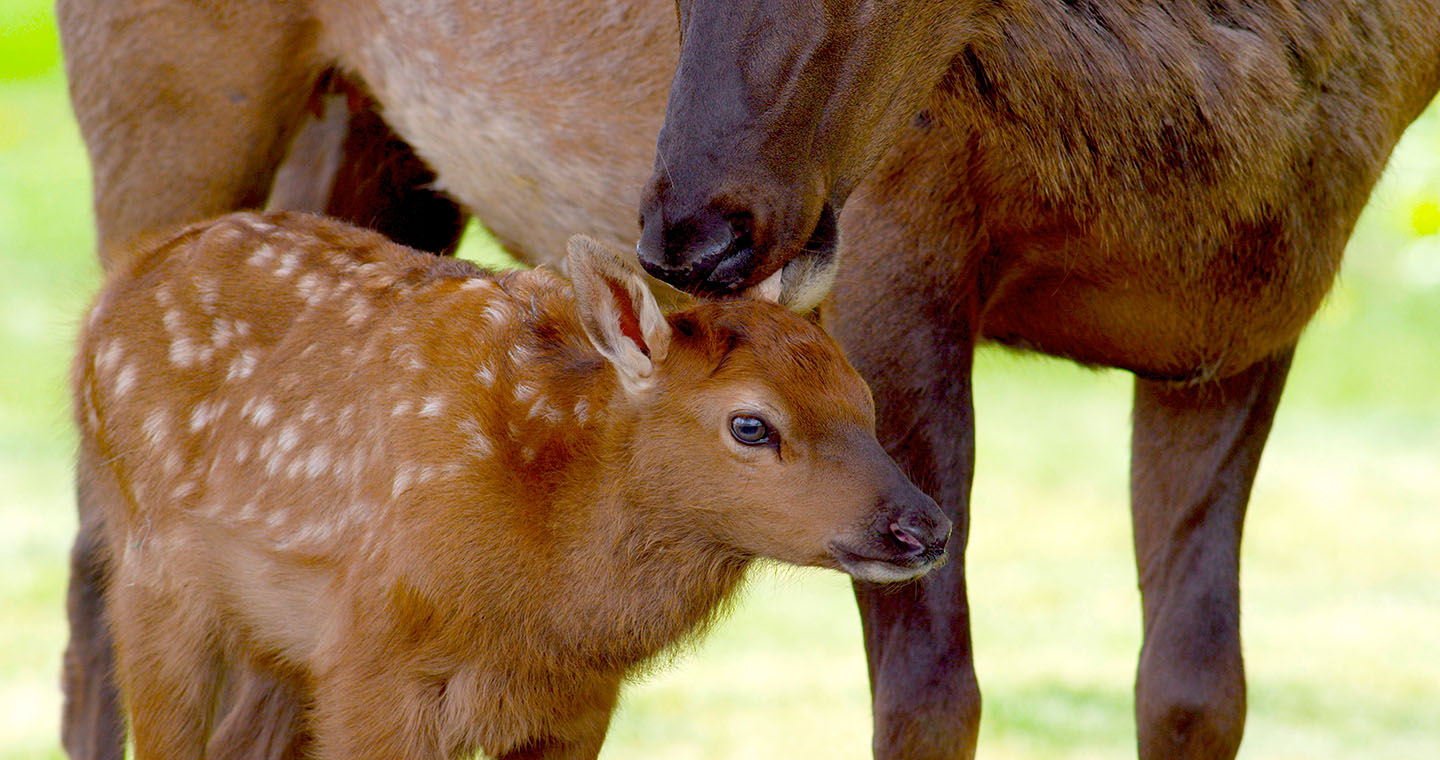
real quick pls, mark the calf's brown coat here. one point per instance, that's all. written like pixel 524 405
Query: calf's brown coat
pixel 441 511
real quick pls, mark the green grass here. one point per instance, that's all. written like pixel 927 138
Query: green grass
pixel 1342 554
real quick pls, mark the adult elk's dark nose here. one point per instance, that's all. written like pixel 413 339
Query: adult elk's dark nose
pixel 708 251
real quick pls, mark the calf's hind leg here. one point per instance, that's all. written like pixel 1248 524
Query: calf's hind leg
pixel 1194 453
pixel 167 665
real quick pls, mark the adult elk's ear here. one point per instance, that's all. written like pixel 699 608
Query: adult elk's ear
pixel 618 311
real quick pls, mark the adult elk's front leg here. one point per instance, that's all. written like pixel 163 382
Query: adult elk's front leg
pixel 1195 451
pixel 905 308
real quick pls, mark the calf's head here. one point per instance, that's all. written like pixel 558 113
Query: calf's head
pixel 749 422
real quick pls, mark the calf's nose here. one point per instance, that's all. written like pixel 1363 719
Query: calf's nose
pixel 921 529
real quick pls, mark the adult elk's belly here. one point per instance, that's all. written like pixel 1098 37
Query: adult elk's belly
pixel 1161 317
pixel 539 118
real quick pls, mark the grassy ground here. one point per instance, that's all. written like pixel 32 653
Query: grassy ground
pixel 1342 553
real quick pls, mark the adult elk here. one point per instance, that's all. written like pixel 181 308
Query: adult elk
pixel 1164 186
pixel 453 511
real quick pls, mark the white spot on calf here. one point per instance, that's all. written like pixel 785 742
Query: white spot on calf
pixel 543 408
pixel 476 443
pixel 288 264
pixel 125 380
pixel 524 392
pixel 184 489
pixel 582 409
pixel 288 438
pixel 375 275
pixel 311 412
pixel 276 519
pixel 407 355
pixel 243 366
pixel 222 331
pixel 262 256
pixel 520 354
pixel 171 465
pixel 345 420
pixel 260 411
pixel 312 289
pixel 155 425
pixel 357 310
pixel 432 406
pixel 204 413
pixel 183 352
pixel 404 476
pixel 257 225
pixel 475 283
pixel 497 312
pixel 208 289
pixel 403 407
pixel 317 462
pixel 349 468
pixel 485 374
pixel 171 320
pixel 313 536
pixel 108 355
pixel 163 296
pixel 249 512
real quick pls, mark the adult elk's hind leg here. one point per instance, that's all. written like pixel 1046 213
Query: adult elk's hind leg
pixel 92 727
pixel 186 108
pixel 185 113
pixel 263 717
pixel 1195 451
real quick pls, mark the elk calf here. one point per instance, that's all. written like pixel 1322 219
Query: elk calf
pixel 450 510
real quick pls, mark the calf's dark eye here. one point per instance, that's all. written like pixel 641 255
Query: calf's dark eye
pixel 751 431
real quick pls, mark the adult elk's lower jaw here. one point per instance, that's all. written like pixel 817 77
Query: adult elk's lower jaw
pixel 777 110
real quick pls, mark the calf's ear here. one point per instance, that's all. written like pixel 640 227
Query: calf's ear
pixel 617 310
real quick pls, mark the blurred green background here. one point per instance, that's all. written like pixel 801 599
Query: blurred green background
pixel 1341 559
